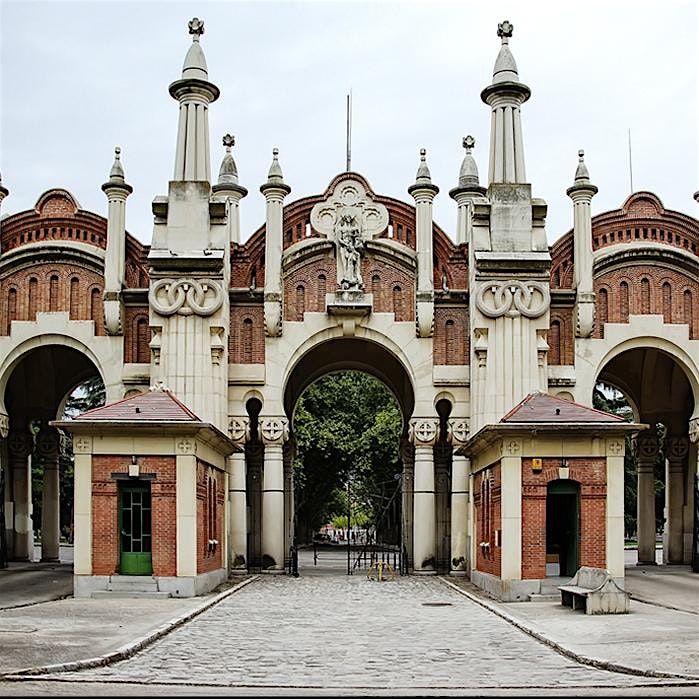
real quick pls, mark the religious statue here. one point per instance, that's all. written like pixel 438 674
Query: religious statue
pixel 350 242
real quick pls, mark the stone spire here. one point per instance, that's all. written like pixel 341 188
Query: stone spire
pixel 228 189
pixel 194 92
pixel 505 96
pixel 274 190
pixel 117 191
pixel 466 191
pixel 424 192
pixel 581 193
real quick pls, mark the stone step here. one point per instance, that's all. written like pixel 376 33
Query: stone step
pixel 545 597
pixel 132 578
pixel 136 586
pixel 126 594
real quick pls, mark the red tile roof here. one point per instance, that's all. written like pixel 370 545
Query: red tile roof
pixel 541 407
pixel 156 406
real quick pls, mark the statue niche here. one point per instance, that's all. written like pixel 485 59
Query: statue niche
pixel 350 243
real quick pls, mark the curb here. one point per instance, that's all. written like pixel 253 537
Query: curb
pixel 131 648
pixel 584 660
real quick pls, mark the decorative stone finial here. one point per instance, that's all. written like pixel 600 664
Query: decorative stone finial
pixel 505 31
pixel 228 174
pixel 581 173
pixel 468 143
pixel 117 171
pixel 468 175
pixel 158 386
pixel 275 170
pixel 196 28
pixel 423 172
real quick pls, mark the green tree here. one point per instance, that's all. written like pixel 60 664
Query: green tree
pixel 347 426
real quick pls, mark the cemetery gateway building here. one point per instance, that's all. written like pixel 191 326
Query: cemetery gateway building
pixel 490 339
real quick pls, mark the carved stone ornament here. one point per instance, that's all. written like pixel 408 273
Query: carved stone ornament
pixel 185 446
pixel 274 430
pixel 349 218
pixel 423 432
pixel 186 297
pixel 82 445
pixel 677 448
pixel 646 447
pixel 239 429
pixel 457 431
pixel 585 315
pixel 48 443
pixel 615 447
pixel 694 430
pixel 113 310
pixel 4 425
pixel 19 444
pixel 513 298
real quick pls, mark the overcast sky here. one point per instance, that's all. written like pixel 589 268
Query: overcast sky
pixel 79 78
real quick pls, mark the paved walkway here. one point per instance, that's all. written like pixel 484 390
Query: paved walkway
pixel 336 632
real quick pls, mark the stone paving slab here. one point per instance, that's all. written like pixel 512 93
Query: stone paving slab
pixel 347 632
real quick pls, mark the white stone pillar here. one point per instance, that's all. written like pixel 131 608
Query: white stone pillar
pixel 581 193
pixel 423 433
pixel 48 449
pixel 274 190
pixel 677 452
pixel 424 192
pixel 646 454
pixel 239 431
pixel 274 431
pixel 511 510
pixel 19 445
pixel 615 506
pixel 459 515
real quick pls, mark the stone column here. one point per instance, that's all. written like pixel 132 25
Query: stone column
pixel 677 451
pixel 289 452
pixel 274 432
pixel 239 431
pixel 460 472
pixel 407 455
pixel 19 445
pixel 646 454
pixel 48 448
pixel 423 434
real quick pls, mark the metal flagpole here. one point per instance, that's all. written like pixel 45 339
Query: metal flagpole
pixel 349 131
pixel 630 165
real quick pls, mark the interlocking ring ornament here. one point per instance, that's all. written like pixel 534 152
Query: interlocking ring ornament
pixel 186 296
pixel 513 298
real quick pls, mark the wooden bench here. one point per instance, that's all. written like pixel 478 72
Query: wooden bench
pixel 595 591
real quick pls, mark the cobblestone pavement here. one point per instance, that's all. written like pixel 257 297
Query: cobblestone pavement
pixel 349 632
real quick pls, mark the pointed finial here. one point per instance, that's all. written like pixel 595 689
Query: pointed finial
pixel 275 170
pixel 581 173
pixel 196 28
pixel 116 174
pixel 505 31
pixel 228 174
pixel 423 172
pixel 468 175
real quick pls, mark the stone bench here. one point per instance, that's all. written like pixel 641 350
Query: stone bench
pixel 595 591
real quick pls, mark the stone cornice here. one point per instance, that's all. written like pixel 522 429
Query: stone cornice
pixel 620 255
pixel 59 252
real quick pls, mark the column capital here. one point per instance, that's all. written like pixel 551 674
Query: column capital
pixel 677 447
pixel 457 431
pixel 19 444
pixel 694 430
pixel 239 429
pixel 423 431
pixel 274 430
pixel 4 425
pixel 48 443
pixel 646 446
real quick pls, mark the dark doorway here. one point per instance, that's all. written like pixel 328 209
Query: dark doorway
pixel 562 528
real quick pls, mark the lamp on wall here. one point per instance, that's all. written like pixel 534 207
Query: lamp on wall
pixel 134 468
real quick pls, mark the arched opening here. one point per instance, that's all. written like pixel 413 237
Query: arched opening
pixel 49 382
pixel 659 482
pixel 562 528
pixel 348 402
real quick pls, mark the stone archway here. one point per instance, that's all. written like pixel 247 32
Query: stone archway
pixel 660 390
pixel 35 387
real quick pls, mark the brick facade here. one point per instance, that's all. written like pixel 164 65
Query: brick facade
pixel 305 287
pixel 487 503
pixel 561 337
pixel 137 335
pixel 451 335
pixel 246 341
pixel 591 474
pixel 105 515
pixel 210 510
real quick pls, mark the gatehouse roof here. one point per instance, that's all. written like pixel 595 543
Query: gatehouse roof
pixel 157 405
pixel 542 407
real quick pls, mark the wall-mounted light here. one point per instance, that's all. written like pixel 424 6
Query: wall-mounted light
pixel 134 467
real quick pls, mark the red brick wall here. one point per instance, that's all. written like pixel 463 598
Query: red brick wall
pixel 591 473
pixel 210 504
pixel 651 289
pixel 561 337
pixel 246 340
pixel 137 335
pixel 305 287
pixel 393 288
pixel 51 287
pixel 451 335
pixel 105 524
pixel 488 518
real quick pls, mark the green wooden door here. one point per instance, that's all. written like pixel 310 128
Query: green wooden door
pixel 135 527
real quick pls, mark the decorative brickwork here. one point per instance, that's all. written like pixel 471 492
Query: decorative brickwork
pixel 246 341
pixel 487 516
pixel 305 287
pixel 137 335
pixel 136 264
pixel 451 335
pixel 562 262
pixel 210 509
pixel 393 288
pixel 561 337
pixel 105 514
pixel 51 287
pixel 591 474
pixel 641 289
